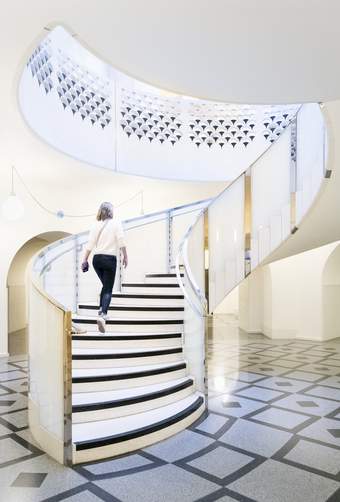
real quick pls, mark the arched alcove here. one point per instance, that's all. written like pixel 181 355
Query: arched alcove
pixel 331 295
pixel 16 288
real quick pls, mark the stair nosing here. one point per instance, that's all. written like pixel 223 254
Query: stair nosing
pixel 133 400
pixel 149 285
pixel 141 308
pixel 129 321
pixel 130 375
pixel 163 275
pixel 142 431
pixel 127 355
pixel 146 296
pixel 102 337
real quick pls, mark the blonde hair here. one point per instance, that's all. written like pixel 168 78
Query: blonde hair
pixel 105 211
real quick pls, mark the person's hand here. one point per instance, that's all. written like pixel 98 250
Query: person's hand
pixel 85 266
pixel 125 261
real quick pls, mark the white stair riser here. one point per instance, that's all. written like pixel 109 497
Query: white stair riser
pixel 126 362
pixel 122 411
pixel 128 383
pixel 135 314
pixel 135 328
pixel 125 344
pixel 161 280
pixel 137 443
pixel 148 290
pixel 148 302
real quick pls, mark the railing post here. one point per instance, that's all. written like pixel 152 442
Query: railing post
pixel 67 373
pixel 119 271
pixel 206 255
pixel 293 174
pixel 169 241
pixel 76 274
pixel 247 222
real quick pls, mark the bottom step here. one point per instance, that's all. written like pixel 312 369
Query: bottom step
pixel 108 438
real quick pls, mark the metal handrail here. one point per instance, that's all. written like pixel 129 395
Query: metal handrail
pixel 128 224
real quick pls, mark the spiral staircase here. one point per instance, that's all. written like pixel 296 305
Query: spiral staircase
pixel 144 379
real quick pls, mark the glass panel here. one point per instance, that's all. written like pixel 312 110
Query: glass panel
pixel 59 273
pixel 270 193
pixel 192 255
pixel 147 249
pixel 226 242
pixel 310 156
pixel 180 225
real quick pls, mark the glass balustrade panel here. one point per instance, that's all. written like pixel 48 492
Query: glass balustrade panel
pixel 226 242
pixel 310 156
pixel 270 198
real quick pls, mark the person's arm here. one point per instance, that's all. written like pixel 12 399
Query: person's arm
pixel 121 243
pixel 90 245
pixel 125 256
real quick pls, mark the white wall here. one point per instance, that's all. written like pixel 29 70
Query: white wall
pixel 16 285
pixel 17 278
pixel 61 182
pixel 230 304
pixel 251 302
pixel 294 297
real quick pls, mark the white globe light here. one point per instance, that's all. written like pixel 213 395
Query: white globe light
pixel 13 208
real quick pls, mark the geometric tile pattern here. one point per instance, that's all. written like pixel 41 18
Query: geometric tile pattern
pixel 150 118
pixel 40 64
pixel 82 92
pixel 156 118
pixel 258 441
pixel 274 125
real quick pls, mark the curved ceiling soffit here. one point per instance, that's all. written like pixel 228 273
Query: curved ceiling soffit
pixel 87 109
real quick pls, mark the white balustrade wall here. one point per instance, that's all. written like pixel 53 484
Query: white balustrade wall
pixel 270 198
pixel 248 221
pixel 226 241
pixel 310 157
pixel 47 345
pixel 87 109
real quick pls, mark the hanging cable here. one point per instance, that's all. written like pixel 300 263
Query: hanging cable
pixel 60 213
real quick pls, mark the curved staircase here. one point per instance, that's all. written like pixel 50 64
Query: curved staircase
pixel 143 380
pixel 130 386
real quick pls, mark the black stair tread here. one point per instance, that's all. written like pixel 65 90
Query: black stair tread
pixel 149 428
pixel 82 375
pixel 163 275
pixel 149 285
pixel 132 322
pixel 127 336
pixel 139 308
pixel 88 354
pixel 148 296
pixel 149 393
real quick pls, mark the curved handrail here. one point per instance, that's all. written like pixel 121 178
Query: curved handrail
pixel 182 251
pixel 189 273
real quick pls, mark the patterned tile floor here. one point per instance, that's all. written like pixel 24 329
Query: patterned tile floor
pixel 272 434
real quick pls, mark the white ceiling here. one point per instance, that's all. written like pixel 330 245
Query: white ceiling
pixel 250 51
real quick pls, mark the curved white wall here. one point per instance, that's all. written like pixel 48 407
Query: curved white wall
pixel 61 182
pixel 87 109
pixel 297 297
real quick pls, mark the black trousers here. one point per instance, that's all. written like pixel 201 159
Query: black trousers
pixel 105 266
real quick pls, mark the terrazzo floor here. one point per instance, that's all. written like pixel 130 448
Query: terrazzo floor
pixel 272 434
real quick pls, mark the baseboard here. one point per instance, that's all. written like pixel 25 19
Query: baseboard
pixel 4 354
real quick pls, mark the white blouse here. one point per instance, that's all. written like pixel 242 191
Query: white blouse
pixel 110 240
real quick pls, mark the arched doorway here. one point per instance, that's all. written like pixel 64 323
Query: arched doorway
pixel 331 296
pixel 16 288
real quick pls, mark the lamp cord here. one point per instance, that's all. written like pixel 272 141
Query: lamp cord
pixel 69 215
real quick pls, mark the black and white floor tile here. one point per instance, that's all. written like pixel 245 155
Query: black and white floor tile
pixel 271 434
